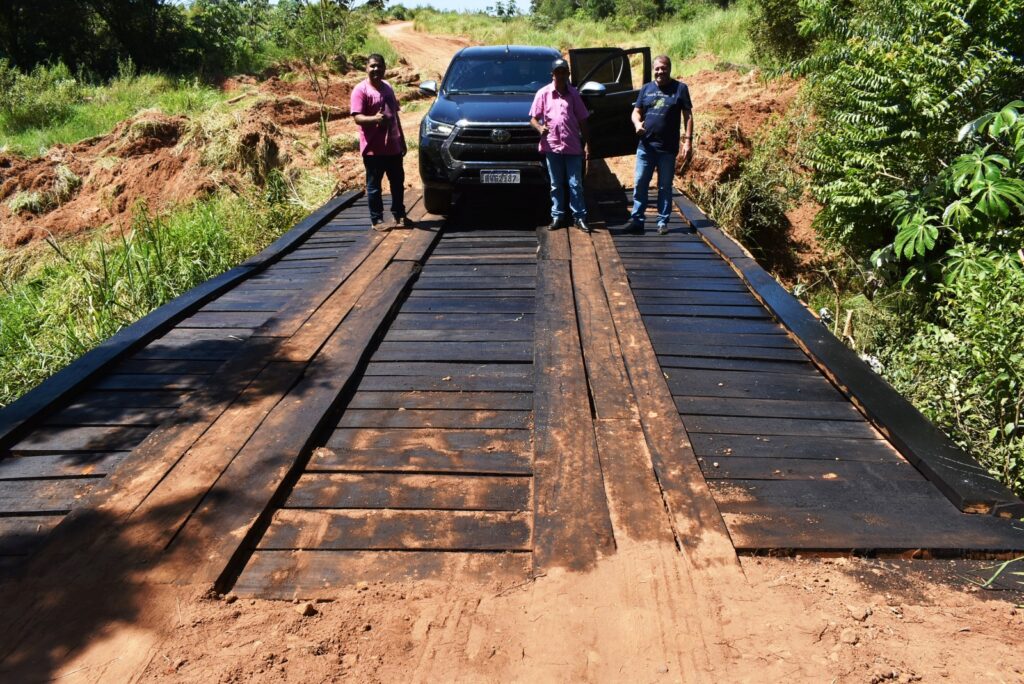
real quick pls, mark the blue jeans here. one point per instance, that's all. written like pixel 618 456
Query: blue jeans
pixel 376 167
pixel 646 161
pixel 562 169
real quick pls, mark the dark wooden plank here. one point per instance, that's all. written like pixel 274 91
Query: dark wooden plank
pixel 185 367
pixel 499 352
pixel 741 425
pixel 440 369
pixel 643 283
pixel 150 381
pixel 462 321
pixel 226 319
pixel 572 525
pixel 783 350
pixel 489 271
pixel 396 490
pixel 59 465
pixel 310 574
pixel 707 311
pixel 468 305
pixel 443 418
pixel 249 303
pixel 799 368
pixel 453 383
pixel 41 497
pixel 427 282
pixel 88 414
pixel 464 293
pixel 55 440
pixel 835 448
pixel 507 333
pixel 508 401
pixel 646 298
pixel 21 535
pixel 448 441
pixel 718 383
pixel 951 469
pixel 420 458
pixel 669 324
pixel 131 398
pixel 746 468
pixel 398 530
pixel 767 408
pixel 800 514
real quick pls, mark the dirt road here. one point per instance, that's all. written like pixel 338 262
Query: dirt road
pixel 430 54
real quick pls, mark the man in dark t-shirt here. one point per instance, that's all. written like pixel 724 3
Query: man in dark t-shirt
pixel 658 113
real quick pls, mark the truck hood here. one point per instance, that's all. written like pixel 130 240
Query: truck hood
pixel 482 108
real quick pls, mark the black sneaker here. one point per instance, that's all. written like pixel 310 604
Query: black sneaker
pixel 634 227
pixel 582 225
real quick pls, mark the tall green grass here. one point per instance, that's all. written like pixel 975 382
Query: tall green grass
pixel 64 303
pixel 711 36
pixel 44 114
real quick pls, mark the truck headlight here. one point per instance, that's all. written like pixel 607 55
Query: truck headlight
pixel 435 129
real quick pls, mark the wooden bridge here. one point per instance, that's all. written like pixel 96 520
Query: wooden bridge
pixel 475 397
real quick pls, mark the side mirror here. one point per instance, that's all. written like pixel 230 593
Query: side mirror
pixel 592 88
pixel 429 88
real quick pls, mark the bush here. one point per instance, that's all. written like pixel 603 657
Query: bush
pixel 46 95
pixel 775 33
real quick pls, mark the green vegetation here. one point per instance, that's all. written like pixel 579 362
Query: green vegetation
pixel 916 156
pixel 707 32
pixel 49 106
pixel 62 304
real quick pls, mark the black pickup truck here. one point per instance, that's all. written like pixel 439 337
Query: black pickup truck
pixel 477 131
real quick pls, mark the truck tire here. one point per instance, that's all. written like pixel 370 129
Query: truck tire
pixel 437 201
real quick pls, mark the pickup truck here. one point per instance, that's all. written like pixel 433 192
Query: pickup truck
pixel 477 131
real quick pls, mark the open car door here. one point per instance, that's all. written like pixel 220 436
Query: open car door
pixel 611 128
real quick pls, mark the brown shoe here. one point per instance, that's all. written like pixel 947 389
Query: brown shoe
pixel 404 222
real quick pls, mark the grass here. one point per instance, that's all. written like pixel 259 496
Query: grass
pixel 379 44
pixel 59 300
pixel 101 107
pixel 714 36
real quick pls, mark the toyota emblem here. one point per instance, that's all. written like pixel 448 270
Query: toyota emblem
pixel 500 135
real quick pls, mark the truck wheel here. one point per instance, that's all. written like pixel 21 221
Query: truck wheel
pixel 437 201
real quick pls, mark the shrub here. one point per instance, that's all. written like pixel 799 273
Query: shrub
pixel 46 95
pixel 775 32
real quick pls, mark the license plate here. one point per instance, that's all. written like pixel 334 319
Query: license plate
pixel 502 176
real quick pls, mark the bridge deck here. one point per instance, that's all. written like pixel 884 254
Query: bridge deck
pixel 340 415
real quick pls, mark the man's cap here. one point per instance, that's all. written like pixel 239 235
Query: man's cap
pixel 559 64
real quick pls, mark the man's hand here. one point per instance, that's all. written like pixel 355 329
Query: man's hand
pixel 687 151
pixel 640 130
pixel 543 129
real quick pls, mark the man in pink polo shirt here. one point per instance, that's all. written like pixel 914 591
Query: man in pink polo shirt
pixel 559 115
pixel 381 141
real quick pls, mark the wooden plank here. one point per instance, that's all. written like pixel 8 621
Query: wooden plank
pixel 226 319
pixel 448 441
pixel 56 440
pixel 399 491
pixel 745 468
pixel 235 511
pixel 742 425
pixel 41 497
pixel 800 368
pixel 398 530
pixel 150 381
pixel 462 321
pixel 59 465
pixel 423 383
pixel 184 367
pixel 698 526
pixel 678 343
pixel 845 515
pixel 420 458
pixel 572 527
pixel 444 418
pixel 785 351
pixel 312 574
pixel 507 333
pixel 87 414
pixel 717 383
pixel 489 271
pixel 129 398
pixel 469 305
pixel 951 469
pixel 249 303
pixel 673 284
pixel 23 534
pixel 418 293
pixel 508 401
pixel 669 324
pixel 552 245
pixel 693 298
pixel 779 446
pixel 427 282
pixel 707 311
pixel 767 408
pixel 506 351
pixel 440 369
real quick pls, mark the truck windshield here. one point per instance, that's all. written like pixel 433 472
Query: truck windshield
pixel 514 75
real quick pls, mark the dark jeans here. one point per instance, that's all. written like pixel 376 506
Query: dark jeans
pixel 376 166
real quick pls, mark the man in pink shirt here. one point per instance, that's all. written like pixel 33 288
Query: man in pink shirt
pixel 381 141
pixel 559 115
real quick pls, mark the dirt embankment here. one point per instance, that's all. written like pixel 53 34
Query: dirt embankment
pixel 161 161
